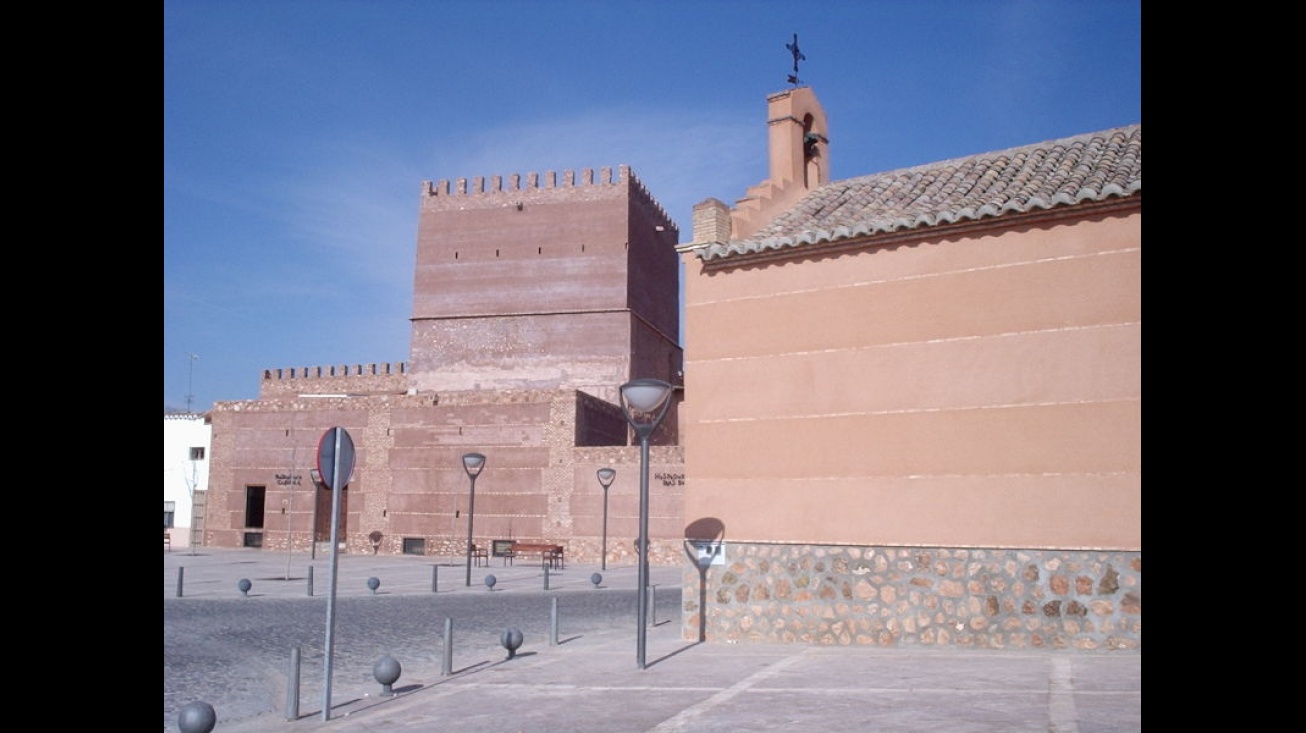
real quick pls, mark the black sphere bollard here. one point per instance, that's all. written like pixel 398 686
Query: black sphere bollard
pixel 596 579
pixel 511 640
pixel 244 585
pixel 386 671
pixel 490 580
pixel 197 717
pixel 373 583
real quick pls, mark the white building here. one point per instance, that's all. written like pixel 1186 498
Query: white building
pixel 186 449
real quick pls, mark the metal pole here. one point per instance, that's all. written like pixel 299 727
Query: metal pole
pixel 312 531
pixel 446 668
pixel 471 514
pixel 290 501
pixel 604 562
pixel 553 622
pixel 640 628
pixel 181 575
pixel 335 565
pixel 292 686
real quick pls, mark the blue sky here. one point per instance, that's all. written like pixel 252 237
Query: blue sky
pixel 297 133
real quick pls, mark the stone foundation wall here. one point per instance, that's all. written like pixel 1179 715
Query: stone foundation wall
pixel 926 597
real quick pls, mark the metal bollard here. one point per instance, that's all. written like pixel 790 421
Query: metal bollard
pixel 292 686
pixel 553 622
pixel 244 585
pixel 373 583
pixel 490 580
pixel 446 667
pixel 435 578
pixel 546 577
pixel 181 573
pixel 310 581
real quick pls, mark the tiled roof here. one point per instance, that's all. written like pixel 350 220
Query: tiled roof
pixel 1090 167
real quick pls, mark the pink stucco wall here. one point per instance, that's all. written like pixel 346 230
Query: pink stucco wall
pixel 981 389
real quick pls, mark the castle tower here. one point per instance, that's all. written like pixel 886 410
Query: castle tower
pixel 544 283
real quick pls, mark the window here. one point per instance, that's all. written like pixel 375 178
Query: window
pixel 197 453
pixel 169 514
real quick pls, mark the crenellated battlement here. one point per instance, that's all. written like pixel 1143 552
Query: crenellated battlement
pixel 492 190
pixel 342 370
pixel 385 378
pixel 533 182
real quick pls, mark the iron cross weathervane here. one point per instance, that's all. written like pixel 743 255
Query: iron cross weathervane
pixel 798 56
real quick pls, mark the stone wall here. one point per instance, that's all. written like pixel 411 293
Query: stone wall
pixel 919 597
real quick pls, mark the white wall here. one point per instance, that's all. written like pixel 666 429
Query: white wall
pixel 182 477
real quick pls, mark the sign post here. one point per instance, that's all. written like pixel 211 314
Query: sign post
pixel 335 461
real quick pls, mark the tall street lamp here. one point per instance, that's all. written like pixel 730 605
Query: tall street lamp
pixel 605 480
pixel 644 403
pixel 472 464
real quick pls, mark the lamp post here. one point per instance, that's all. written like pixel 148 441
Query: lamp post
pixel 644 403
pixel 472 464
pixel 316 477
pixel 605 480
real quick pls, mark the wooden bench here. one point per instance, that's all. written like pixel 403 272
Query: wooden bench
pixel 167 540
pixel 550 554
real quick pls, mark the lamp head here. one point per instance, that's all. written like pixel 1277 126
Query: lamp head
pixel 605 477
pixel 644 402
pixel 473 463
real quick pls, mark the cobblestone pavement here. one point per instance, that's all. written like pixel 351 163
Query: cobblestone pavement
pixel 233 651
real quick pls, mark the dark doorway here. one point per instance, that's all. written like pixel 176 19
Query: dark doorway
pixel 255 498
pixel 322 527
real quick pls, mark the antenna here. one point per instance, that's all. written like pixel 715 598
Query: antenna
pixel 190 381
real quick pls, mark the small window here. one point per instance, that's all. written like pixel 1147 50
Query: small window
pixel 414 546
pixel 197 453
pixel 169 514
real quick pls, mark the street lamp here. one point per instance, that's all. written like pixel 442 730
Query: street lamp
pixel 605 480
pixel 644 403
pixel 472 464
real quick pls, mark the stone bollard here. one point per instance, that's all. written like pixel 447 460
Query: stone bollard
pixel 197 717
pixel 511 640
pixel 596 579
pixel 373 583
pixel 244 585
pixel 490 580
pixel 386 671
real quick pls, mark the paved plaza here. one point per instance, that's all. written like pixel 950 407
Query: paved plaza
pixel 576 670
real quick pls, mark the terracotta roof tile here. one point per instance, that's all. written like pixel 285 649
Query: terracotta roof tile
pixel 1090 167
